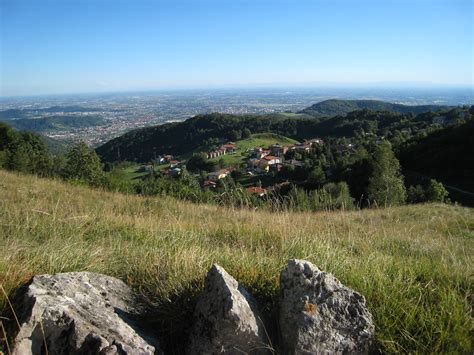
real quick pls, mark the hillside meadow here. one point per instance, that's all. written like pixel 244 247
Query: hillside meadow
pixel 412 263
pixel 256 140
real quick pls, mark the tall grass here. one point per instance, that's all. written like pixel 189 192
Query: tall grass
pixel 412 263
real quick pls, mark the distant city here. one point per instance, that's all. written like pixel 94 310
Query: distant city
pixel 121 112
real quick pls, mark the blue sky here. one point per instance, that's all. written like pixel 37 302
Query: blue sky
pixel 66 46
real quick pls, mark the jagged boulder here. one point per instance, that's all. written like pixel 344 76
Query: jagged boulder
pixel 319 315
pixel 79 313
pixel 226 318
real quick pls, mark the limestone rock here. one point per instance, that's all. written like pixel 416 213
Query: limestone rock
pixel 319 315
pixel 78 313
pixel 226 318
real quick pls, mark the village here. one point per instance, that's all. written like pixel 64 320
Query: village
pixel 257 162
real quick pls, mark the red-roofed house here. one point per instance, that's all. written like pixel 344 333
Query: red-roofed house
pixel 209 184
pixel 260 191
pixel 263 153
pixel 229 147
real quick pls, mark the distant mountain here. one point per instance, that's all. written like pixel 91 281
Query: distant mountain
pixel 335 107
pixel 67 109
pixel 13 114
pixel 55 122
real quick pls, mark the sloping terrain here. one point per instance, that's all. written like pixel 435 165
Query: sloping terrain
pixel 256 140
pixel 412 263
pixel 446 155
pixel 335 107
pixel 55 123
pixel 185 137
pixel 13 114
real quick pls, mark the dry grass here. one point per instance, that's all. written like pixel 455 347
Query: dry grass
pixel 412 263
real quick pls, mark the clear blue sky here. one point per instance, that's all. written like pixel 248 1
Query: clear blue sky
pixel 64 46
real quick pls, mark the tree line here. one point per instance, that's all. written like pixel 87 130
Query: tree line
pixel 27 152
pixel 356 167
pixel 203 132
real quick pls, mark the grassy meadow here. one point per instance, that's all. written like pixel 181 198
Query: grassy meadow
pixel 412 263
pixel 256 140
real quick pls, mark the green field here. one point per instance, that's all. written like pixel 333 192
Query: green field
pixel 256 140
pixel 132 171
pixel 412 263
pixel 292 114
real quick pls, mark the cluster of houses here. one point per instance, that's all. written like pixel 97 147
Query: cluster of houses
pixel 272 159
pixel 261 160
pixel 228 148
pixel 175 165
pixel 219 174
pixel 214 176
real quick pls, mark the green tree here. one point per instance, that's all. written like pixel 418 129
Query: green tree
pixel 436 192
pixel 7 136
pixel 246 133
pixel 28 153
pixel 199 162
pixel 18 157
pixel 416 194
pixel 317 176
pixel 235 135
pixel 84 164
pixel 332 196
pixel 386 185
pixel 298 200
pixel 3 158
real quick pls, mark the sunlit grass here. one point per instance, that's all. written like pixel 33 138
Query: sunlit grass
pixel 413 263
pixel 264 140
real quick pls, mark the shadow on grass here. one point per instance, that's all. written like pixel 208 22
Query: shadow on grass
pixel 171 320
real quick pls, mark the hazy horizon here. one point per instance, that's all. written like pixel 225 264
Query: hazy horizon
pixel 371 88
pixel 84 46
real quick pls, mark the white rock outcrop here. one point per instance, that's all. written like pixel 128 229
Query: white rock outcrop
pixel 78 313
pixel 319 315
pixel 226 319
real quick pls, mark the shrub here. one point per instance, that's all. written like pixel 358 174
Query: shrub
pixel 436 192
pixel 416 194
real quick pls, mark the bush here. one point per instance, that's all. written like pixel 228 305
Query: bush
pixel 246 133
pixel 436 192
pixel 84 164
pixel 199 162
pixel 416 194
pixel 27 153
pixel 333 196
